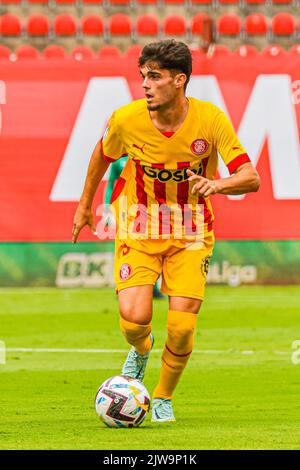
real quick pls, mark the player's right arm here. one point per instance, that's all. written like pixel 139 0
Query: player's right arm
pixel 84 215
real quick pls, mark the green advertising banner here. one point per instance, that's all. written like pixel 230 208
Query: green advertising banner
pixel 91 264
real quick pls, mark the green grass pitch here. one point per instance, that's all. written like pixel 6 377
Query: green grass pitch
pixel 240 389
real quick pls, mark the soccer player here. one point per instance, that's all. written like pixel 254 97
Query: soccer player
pixel 172 143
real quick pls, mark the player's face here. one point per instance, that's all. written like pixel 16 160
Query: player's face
pixel 160 86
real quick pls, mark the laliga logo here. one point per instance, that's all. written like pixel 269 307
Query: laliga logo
pixel 2 99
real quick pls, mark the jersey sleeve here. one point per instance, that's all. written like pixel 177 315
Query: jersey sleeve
pixel 111 144
pixel 228 144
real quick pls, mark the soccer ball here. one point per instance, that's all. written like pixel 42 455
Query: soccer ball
pixel 122 402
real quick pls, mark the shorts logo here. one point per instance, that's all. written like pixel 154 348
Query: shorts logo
pixel 199 146
pixel 125 271
pixel 205 265
pixel 125 249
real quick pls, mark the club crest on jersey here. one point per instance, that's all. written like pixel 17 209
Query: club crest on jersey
pixel 199 146
pixel 125 271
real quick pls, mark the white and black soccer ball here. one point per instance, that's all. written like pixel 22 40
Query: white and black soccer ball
pixel 122 402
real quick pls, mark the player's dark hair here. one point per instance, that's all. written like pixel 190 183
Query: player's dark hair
pixel 168 54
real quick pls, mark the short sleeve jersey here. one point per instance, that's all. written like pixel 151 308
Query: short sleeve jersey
pixel 156 172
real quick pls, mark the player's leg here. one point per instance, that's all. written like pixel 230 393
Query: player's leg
pixel 135 274
pixel 184 276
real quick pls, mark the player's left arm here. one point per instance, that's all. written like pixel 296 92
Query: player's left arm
pixel 244 180
pixel 244 177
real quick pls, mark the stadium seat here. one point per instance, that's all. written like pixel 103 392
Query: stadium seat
pixel 92 25
pixel 141 3
pixel 11 2
pixel 10 25
pixel 82 53
pixel 147 25
pixel 38 25
pixel 173 2
pixel 255 3
pixel 174 25
pixel 295 50
pixel 5 52
pixel 133 52
pixel 256 25
pixel 283 24
pixel 245 50
pixel 65 25
pixel 65 2
pixel 92 2
pixel 27 52
pixel 38 2
pixel 120 25
pixel 118 3
pixel 54 52
pixel 229 25
pixel 282 2
pixel 228 2
pixel 273 51
pixel 197 23
pixel 109 52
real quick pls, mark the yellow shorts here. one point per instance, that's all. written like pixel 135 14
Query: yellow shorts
pixel 183 270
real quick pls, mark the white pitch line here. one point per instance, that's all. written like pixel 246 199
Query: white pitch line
pixel 114 351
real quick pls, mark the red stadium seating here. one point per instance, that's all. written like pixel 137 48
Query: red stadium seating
pixel 10 25
pixel 5 52
pixel 27 52
pixel 273 51
pixel 201 2
pixel 229 2
pixel 283 24
pixel 229 25
pixel 282 2
pixel 256 25
pixel 82 52
pixel 246 51
pixel 38 25
pixel 65 2
pixel 133 52
pixel 120 24
pixel 197 23
pixel 54 52
pixel 174 2
pixel 11 2
pixel 147 25
pixel 38 2
pixel 295 50
pixel 146 2
pixel 255 2
pixel 119 2
pixel 92 25
pixel 174 25
pixel 65 25
pixel 109 51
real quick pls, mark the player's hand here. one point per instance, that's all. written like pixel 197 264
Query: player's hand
pixel 203 186
pixel 82 217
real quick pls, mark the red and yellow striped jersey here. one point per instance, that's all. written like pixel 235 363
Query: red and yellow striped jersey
pixel 155 174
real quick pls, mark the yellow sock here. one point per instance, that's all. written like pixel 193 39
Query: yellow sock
pixel 177 350
pixel 137 335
